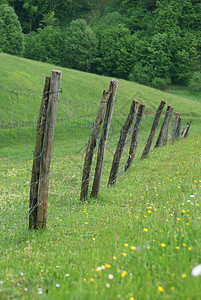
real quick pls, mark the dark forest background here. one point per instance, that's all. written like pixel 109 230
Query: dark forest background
pixel 152 42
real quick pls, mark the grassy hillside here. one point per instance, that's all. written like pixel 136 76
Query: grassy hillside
pixel 20 111
pixel 139 240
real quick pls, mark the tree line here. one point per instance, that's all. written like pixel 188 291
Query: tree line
pixel 152 42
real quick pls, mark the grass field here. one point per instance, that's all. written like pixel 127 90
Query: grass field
pixel 140 239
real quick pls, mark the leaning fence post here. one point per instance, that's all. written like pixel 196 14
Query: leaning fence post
pixel 159 140
pixel 153 130
pixel 134 138
pixel 33 204
pixel 103 139
pixel 92 144
pixel 186 130
pixel 174 127
pixel 169 121
pixel 47 148
pixel 121 144
pixel 178 129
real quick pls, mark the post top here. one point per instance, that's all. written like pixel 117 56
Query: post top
pixel 56 71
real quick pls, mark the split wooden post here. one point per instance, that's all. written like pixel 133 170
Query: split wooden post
pixel 103 139
pixel 178 129
pixel 33 204
pixel 160 136
pixel 186 130
pixel 122 140
pixel 92 144
pixel 153 130
pixel 47 148
pixel 174 127
pixel 165 138
pixel 134 138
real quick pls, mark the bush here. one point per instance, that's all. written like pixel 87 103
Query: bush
pixel 139 75
pixel 11 36
pixel 195 82
pixel 46 45
pixel 160 83
pixel 80 48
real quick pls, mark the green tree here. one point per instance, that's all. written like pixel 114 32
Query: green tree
pixel 12 38
pixel 47 44
pixel 115 52
pixel 80 46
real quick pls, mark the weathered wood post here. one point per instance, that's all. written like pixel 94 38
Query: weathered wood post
pixel 178 129
pixel 121 144
pixel 103 139
pixel 186 130
pixel 47 148
pixel 160 136
pixel 33 204
pixel 165 138
pixel 153 130
pixel 174 127
pixel 92 144
pixel 134 138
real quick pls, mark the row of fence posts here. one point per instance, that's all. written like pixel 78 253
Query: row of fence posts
pixel 137 111
pixel 45 134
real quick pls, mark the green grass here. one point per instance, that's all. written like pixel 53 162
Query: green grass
pixel 140 240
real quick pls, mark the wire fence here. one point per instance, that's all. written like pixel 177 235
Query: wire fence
pixel 72 131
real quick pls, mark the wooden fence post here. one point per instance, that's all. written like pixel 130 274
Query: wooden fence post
pixel 169 121
pixel 37 156
pixel 47 148
pixel 121 144
pixel 186 130
pixel 134 138
pixel 103 139
pixel 159 140
pixel 178 129
pixel 92 144
pixel 153 130
pixel 174 127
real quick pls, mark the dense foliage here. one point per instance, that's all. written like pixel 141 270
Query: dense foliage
pixel 12 39
pixel 153 42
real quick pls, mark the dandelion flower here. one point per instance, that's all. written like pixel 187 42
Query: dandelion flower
pixel 145 229
pixel 124 273
pixel 114 257
pixel 183 276
pixel 107 266
pixel 196 271
pixel 160 289
pixel 125 245
pixel 163 245
pixel 124 254
pixel 133 248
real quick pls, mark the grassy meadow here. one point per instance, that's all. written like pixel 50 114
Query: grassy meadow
pixel 140 239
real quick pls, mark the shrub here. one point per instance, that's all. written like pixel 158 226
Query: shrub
pixel 139 75
pixel 46 45
pixel 160 83
pixel 80 46
pixel 195 82
pixel 12 38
